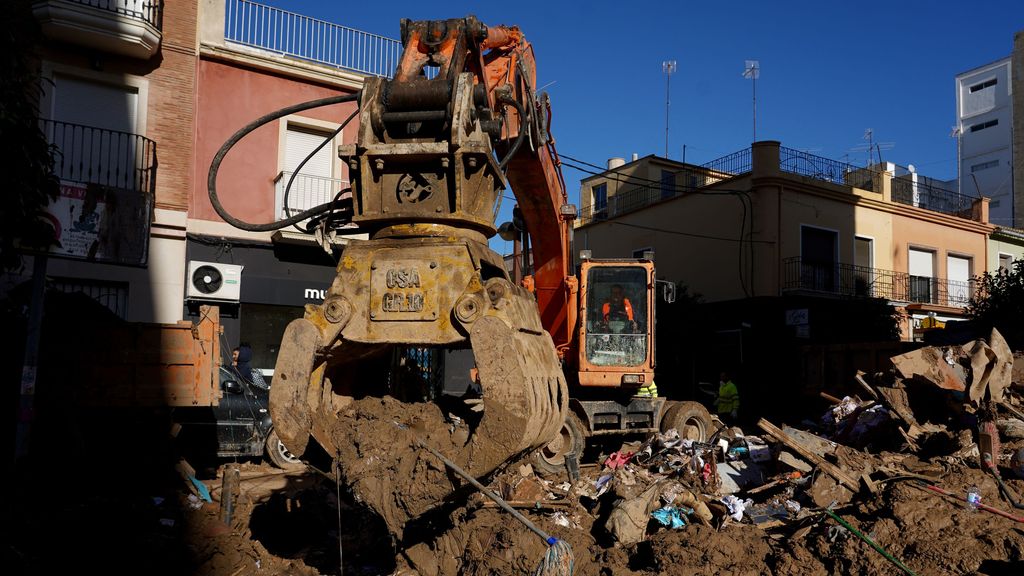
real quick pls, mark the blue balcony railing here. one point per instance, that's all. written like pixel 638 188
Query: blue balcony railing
pixel 290 34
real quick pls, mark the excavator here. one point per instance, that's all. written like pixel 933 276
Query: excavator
pixel 559 356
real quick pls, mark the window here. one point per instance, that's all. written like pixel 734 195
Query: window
pixel 922 276
pixel 863 255
pixel 984 165
pixel 818 258
pixel 639 252
pixel 983 85
pixel 616 316
pixel 315 184
pixel 600 193
pixel 262 326
pixel 668 183
pixel 958 282
pixel 1006 262
pixel 982 125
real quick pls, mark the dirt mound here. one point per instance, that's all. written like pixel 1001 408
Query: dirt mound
pixel 738 549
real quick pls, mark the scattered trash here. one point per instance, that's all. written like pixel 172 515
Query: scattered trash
pixel 736 506
pixel 193 502
pixel 671 517
pixel 973 499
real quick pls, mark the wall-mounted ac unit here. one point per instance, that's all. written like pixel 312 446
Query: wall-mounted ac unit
pixel 214 281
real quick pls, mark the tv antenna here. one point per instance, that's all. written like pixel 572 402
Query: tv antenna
pixel 668 67
pixel 872 147
pixel 752 70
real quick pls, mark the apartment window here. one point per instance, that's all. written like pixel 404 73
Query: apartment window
pixel 922 275
pixel 600 192
pixel 982 125
pixel 639 252
pixel 984 165
pixel 819 249
pixel 315 184
pixel 1006 262
pixel 863 258
pixel 668 183
pixel 958 280
pixel 983 85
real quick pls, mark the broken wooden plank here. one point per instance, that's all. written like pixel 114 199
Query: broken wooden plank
pixel 859 378
pixel 830 397
pixel 794 462
pixel 812 442
pixel 826 466
pixel 530 505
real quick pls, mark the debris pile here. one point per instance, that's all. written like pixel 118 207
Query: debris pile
pixel 916 473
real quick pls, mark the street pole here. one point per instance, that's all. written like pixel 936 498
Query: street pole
pixel 668 67
pixel 30 366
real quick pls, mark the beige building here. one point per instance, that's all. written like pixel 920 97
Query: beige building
pixel 1005 246
pixel 773 221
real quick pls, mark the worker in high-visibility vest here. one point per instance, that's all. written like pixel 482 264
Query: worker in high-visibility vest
pixel 649 390
pixel 618 307
pixel 728 401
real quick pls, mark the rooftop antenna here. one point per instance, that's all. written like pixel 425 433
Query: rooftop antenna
pixel 872 147
pixel 668 67
pixel 752 70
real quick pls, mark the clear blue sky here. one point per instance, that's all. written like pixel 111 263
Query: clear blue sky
pixel 829 70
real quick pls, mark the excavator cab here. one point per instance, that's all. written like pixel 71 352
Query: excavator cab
pixel 616 327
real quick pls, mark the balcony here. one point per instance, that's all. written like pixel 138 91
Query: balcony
pixel 307 191
pixel 296 36
pixel 828 170
pixel 859 281
pixel 931 197
pixel 126 27
pixel 107 186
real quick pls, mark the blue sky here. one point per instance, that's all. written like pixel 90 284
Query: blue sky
pixel 829 70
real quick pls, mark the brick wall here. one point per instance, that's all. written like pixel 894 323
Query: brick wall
pixel 171 113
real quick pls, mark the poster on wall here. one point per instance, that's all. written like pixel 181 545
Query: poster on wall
pixel 100 223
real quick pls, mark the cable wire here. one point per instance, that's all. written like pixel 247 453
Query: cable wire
pixel 211 180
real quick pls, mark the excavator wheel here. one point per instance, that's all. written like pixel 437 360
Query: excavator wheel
pixel 690 419
pixel 550 458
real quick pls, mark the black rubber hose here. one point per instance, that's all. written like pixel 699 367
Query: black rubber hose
pixel 288 186
pixel 523 127
pixel 211 180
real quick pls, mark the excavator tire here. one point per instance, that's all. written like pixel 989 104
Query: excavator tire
pixel 550 458
pixel 690 419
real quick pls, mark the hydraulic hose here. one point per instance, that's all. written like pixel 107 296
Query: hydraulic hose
pixel 1007 493
pixel 523 127
pixel 211 180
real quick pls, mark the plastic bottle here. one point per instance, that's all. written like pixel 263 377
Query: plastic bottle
pixel 973 498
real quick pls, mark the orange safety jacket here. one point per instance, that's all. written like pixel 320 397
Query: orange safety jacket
pixel 607 308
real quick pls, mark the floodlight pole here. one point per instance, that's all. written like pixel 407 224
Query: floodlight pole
pixel 668 67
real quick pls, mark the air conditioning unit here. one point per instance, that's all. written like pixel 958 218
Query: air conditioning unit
pixel 214 281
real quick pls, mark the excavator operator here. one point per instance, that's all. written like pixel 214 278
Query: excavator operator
pixel 618 307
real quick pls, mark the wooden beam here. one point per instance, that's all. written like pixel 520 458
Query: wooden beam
pixel 826 466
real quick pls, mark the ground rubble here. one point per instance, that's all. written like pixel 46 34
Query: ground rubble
pixel 897 464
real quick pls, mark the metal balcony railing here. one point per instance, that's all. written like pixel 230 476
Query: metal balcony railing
pixel 307 191
pixel 828 170
pixel 108 158
pixel 146 10
pixel 861 281
pixel 298 36
pixel 931 197
pixel 730 165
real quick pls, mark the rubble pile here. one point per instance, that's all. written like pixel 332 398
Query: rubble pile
pixel 903 477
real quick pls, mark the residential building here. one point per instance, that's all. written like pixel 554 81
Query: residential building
pixel 990 126
pixel 1005 246
pixel 775 222
pixel 118 81
pixel 985 127
pixel 254 59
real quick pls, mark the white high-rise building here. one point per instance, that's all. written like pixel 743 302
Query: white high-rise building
pixel 984 123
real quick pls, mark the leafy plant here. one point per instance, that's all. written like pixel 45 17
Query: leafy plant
pixel 999 303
